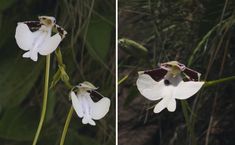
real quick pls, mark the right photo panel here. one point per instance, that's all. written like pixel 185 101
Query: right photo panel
pixel 176 72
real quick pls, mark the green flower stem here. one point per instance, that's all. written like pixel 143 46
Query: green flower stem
pixel 123 79
pixel 44 107
pixel 215 82
pixel 61 65
pixel 65 78
pixel 68 85
pixel 66 126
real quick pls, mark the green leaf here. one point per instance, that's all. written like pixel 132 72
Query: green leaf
pixel 18 76
pixel 4 4
pixel 19 124
pixel 99 38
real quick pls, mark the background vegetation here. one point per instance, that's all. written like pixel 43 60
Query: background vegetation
pixel 89 54
pixel 199 34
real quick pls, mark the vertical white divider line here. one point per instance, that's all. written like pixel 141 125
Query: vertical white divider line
pixel 116 47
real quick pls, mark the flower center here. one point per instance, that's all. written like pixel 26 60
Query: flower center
pixel 167 82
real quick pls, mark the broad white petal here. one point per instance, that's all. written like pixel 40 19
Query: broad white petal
pixel 99 109
pixel 171 106
pixel 161 105
pixel 149 88
pixel 77 104
pixel 185 90
pixel 49 45
pixel 24 37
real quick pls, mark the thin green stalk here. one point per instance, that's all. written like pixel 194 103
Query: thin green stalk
pixel 123 79
pixel 44 106
pixel 66 126
pixel 65 79
pixel 215 82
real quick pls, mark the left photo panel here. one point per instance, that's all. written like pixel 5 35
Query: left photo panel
pixel 58 72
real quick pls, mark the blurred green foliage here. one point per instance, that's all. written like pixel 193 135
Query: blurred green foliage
pixel 199 34
pixel 88 53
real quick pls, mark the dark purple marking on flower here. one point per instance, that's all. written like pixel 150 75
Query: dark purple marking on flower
pixel 191 74
pixel 33 25
pixel 95 96
pixel 181 66
pixel 61 31
pixel 156 74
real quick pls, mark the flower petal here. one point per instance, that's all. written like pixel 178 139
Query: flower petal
pixel 77 104
pixel 87 120
pixel 50 45
pixel 161 105
pixel 24 37
pixel 32 53
pixel 84 120
pixel 91 122
pixel 192 74
pixel 186 89
pixel 100 108
pixel 149 88
pixel 171 105
pixel 27 54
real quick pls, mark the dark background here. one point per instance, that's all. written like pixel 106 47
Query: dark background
pixel 89 54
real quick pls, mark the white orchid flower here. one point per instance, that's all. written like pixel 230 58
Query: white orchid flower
pixel 84 105
pixel 167 83
pixel 36 36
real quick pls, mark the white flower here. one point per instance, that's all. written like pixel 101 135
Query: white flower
pixel 85 107
pixel 35 37
pixel 169 88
